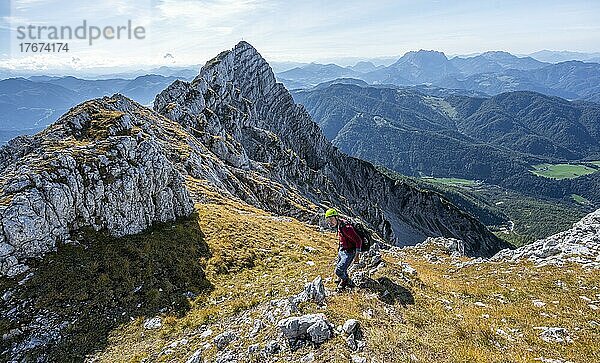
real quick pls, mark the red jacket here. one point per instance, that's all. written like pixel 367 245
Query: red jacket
pixel 349 239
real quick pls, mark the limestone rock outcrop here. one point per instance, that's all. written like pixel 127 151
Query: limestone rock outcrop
pixel 580 244
pixel 105 165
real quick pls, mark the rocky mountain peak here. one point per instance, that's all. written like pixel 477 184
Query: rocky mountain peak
pixel 421 66
pixel 241 81
pixel 234 132
pixel 424 55
pixel 241 62
pixel 244 116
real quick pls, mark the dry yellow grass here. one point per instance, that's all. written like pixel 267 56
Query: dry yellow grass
pixel 470 333
pixel 257 257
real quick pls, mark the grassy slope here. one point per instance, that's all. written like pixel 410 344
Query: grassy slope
pixel 562 171
pixel 507 291
pixel 256 258
pixel 451 181
pixel 105 281
pixel 579 199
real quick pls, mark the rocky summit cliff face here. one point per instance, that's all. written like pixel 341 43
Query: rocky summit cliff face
pixel 111 164
pixel 238 110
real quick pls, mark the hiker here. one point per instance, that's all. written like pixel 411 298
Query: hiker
pixel 350 243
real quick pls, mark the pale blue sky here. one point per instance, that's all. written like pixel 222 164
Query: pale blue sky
pixel 193 31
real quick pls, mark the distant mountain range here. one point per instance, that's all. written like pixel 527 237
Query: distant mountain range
pixel 29 105
pixel 494 61
pixel 553 56
pixel 314 73
pixel 495 139
pixel 490 73
pixel 186 72
pixel 571 80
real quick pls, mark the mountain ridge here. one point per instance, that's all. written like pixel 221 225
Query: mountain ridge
pixel 29 105
pixel 264 149
pixel 498 139
pixel 301 135
pixel 492 72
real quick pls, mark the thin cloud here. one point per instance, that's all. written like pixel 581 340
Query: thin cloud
pixel 203 11
pixel 311 30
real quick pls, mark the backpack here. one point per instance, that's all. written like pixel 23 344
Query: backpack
pixel 363 233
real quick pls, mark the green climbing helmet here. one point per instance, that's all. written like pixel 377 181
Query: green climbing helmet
pixel 331 212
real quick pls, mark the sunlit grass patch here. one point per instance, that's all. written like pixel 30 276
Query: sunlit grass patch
pixel 501 327
pixel 562 171
pixel 480 313
pixel 451 181
pixel 254 257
